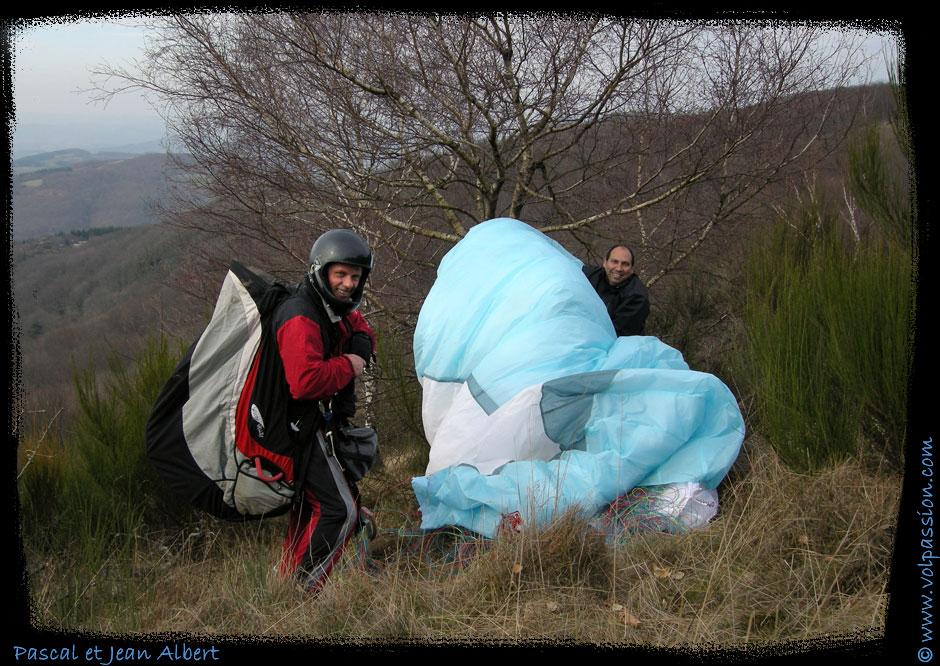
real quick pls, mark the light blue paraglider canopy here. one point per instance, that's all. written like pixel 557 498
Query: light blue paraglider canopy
pixel 531 403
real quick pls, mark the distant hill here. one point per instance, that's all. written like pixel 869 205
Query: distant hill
pixel 67 190
pixel 45 132
pixel 58 159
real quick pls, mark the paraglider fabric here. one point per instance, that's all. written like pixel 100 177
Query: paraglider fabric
pixel 531 403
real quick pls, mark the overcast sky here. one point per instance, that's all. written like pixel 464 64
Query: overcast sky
pixel 52 62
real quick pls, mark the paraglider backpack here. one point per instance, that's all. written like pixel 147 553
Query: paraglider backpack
pixel 219 433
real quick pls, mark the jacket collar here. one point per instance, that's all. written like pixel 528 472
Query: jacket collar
pixel 315 296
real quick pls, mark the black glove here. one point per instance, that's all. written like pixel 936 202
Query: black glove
pixel 343 404
pixel 360 344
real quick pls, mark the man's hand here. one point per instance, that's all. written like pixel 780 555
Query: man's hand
pixel 360 344
pixel 358 363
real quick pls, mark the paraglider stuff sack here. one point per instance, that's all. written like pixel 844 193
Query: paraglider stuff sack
pixel 356 449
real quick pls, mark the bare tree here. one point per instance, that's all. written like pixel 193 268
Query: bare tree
pixel 411 129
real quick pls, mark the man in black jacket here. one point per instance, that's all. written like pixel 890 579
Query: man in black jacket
pixel 623 293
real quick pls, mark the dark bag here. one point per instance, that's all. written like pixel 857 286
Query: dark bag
pixel 219 432
pixel 355 448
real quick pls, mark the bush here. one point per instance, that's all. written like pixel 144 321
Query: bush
pixel 694 314
pixel 827 329
pixel 92 496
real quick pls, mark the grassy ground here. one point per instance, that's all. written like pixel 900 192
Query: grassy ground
pixel 789 557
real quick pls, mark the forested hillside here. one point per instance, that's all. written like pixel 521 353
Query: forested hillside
pixel 63 192
pixel 81 296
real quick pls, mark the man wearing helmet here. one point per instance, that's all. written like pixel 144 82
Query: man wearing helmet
pixel 324 344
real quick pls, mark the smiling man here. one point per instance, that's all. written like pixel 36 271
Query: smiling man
pixel 324 343
pixel 623 293
pixel 343 280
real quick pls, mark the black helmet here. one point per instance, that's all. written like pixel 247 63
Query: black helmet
pixel 339 246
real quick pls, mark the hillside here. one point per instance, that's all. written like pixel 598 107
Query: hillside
pixel 73 189
pixel 81 296
pixel 791 556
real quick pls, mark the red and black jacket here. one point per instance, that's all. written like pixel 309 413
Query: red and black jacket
pixel 311 346
pixel 300 364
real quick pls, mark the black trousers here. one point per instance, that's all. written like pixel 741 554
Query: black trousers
pixel 322 522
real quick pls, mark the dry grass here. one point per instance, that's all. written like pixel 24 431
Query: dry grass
pixel 789 557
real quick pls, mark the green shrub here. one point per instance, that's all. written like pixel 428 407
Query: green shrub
pixel 91 494
pixel 827 329
pixel 40 472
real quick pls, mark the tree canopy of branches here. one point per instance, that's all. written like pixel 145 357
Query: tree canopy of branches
pixel 413 128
